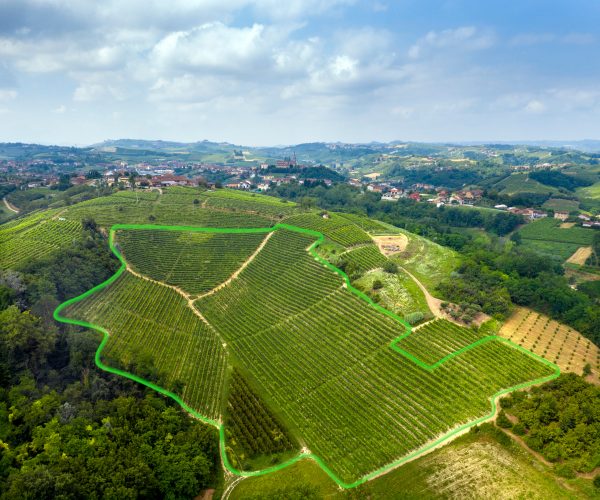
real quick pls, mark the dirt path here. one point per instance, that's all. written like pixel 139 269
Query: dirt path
pixel 11 207
pixel 521 442
pixel 435 305
pixel 189 299
pixel 239 269
pixel 580 256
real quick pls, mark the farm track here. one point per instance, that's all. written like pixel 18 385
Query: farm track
pixel 10 206
pixel 434 303
pixel 238 271
pixel 424 448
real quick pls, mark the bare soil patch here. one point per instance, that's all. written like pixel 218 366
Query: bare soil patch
pixel 566 225
pixel 391 244
pixel 580 256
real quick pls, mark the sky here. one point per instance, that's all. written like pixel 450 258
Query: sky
pixel 272 72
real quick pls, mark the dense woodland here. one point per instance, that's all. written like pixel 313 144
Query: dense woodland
pixel 68 430
pixel 561 420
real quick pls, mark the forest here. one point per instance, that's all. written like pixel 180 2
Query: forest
pixel 68 430
pixel 561 420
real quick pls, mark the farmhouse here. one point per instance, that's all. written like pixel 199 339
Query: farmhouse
pixel 561 215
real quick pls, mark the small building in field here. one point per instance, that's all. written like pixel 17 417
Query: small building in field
pixel 560 215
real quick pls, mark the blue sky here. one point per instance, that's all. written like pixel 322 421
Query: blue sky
pixel 264 72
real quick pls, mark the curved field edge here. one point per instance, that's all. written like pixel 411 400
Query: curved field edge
pixel 303 455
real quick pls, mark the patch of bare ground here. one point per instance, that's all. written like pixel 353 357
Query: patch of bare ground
pixel 206 494
pixel 391 244
pixel 554 341
pixel 580 256
pixel 567 225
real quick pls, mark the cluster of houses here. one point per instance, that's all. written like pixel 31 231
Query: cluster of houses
pixel 442 196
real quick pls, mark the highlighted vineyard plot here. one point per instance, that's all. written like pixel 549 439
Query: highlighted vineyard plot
pixel 438 341
pixel 317 349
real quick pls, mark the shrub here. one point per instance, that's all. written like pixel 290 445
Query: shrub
pixel 390 267
pixel 414 317
pixel 377 285
pixel 502 420
pixel 519 429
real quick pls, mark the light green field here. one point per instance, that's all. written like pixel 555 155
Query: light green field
pixel 592 191
pixel 429 262
pixel 399 294
pixel 485 464
pixel 561 204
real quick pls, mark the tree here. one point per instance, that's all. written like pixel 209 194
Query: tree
pixel 390 267
pixel 25 340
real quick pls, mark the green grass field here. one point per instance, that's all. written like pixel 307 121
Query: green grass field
pixel 399 294
pixel 429 262
pixel 318 355
pixel 483 464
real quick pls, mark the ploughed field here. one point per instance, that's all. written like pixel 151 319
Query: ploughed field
pixel 317 354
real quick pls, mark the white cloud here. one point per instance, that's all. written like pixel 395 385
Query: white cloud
pixel 463 38
pixel 215 47
pixel 535 106
pixel 60 109
pixel 7 94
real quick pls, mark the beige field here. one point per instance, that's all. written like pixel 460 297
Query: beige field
pixel 554 341
pixel 373 175
pixel 391 244
pixel 580 256
pixel 566 225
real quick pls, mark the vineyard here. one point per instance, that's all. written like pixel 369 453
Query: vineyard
pixel 550 230
pixel 556 342
pixel 252 429
pixel 194 262
pixel 364 258
pixel 35 236
pixel 437 339
pixel 316 351
pixel 334 226
pixel 155 335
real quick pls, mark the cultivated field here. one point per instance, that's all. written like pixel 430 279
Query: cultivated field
pixel 556 342
pixel 35 236
pixel 319 354
pixel 581 255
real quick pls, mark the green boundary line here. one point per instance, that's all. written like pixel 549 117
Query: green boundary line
pixel 319 239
